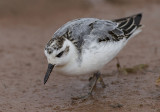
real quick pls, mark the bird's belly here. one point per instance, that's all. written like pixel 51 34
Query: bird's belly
pixel 95 58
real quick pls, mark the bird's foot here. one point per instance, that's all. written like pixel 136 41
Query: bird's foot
pixel 95 77
pixel 83 98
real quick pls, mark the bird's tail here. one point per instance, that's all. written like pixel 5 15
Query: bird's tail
pixel 130 25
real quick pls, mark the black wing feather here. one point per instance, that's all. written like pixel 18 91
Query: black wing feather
pixel 128 25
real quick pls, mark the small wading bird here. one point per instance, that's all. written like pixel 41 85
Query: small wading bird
pixel 86 45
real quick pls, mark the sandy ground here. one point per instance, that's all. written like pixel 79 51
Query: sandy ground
pixel 23 64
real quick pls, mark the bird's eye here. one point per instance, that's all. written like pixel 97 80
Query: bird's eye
pixel 60 54
pixel 49 51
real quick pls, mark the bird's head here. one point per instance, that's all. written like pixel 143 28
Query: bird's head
pixel 58 53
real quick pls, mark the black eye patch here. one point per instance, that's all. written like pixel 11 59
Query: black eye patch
pixel 60 54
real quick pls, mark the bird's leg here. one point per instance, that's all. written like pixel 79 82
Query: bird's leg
pixel 102 82
pixel 118 65
pixel 93 81
pixel 120 69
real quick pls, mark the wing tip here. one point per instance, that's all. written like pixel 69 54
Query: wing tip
pixel 137 19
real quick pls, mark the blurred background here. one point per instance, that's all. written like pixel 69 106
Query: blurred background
pixel 20 8
pixel 27 25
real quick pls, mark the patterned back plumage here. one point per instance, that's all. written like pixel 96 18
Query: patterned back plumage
pixel 86 30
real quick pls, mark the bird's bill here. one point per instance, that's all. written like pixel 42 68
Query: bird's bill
pixel 49 70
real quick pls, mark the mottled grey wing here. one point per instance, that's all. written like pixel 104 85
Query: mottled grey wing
pixel 84 31
pixel 76 31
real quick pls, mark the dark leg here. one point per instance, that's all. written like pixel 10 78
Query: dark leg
pixel 118 65
pixel 93 81
pixel 102 82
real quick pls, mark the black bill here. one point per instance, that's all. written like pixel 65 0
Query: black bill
pixel 49 70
